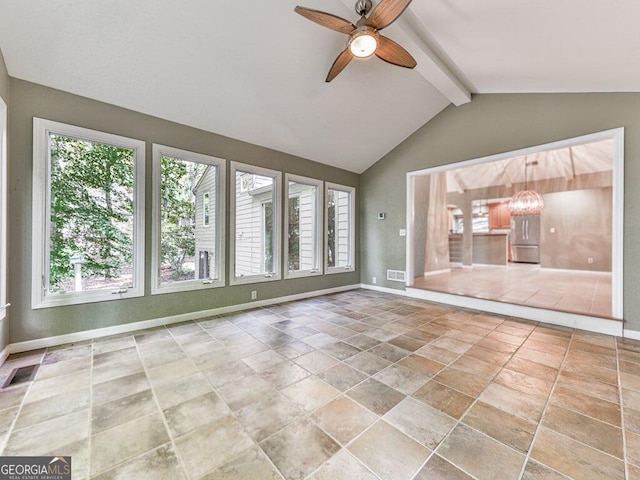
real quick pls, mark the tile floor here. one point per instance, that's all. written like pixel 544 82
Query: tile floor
pixel 576 292
pixel 357 386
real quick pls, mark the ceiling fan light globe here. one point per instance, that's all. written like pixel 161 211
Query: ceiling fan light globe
pixel 363 45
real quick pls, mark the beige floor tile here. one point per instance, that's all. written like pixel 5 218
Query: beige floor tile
pixel 123 410
pixel 488 356
pixel 445 399
pixel 50 387
pixel 438 354
pixel 194 413
pixel 524 383
pixel 437 468
pixel 175 392
pixel 159 464
pixel 341 350
pixel 245 391
pixel 464 382
pixel 421 422
pixel 171 371
pixel 342 376
pixel 263 360
pixel 402 379
pixel 421 365
pixel 7 417
pixel 514 402
pixel 114 446
pixel 267 416
pixel 481 456
pixel 195 448
pixel 388 452
pixel 75 352
pixel 299 449
pixel 588 385
pixel 343 419
pixel 633 472
pixel 79 453
pixel 52 407
pixel 249 465
pixel 389 352
pixel 315 361
pixel 574 459
pixel 310 393
pixel 361 341
pixel 117 369
pixel 68 367
pixel 119 387
pixel 513 431
pixel 550 360
pixel 342 466
pixel 533 369
pixel 633 447
pixel 584 429
pixel 227 373
pixel 12 396
pixel 284 374
pixel 368 363
pixel 536 471
pixel 58 432
pixel 376 396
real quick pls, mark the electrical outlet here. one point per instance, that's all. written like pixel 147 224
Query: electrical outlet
pixel 374 280
pixel 403 232
pixel 254 294
pixel 589 260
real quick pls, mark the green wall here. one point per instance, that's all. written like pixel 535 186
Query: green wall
pixel 492 124
pixel 29 100
pixel 4 93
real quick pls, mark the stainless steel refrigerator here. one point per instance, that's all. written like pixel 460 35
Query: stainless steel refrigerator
pixel 525 239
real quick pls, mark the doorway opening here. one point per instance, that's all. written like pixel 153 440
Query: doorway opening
pixel 467 237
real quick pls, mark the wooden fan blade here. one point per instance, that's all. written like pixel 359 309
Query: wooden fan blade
pixel 338 65
pixel 386 12
pixel 391 52
pixel 326 20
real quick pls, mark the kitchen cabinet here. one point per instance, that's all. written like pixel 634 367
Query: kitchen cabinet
pixel 499 216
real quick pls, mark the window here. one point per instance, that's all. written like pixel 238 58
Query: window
pixel 205 209
pixel 88 215
pixel 340 235
pixel 255 224
pixel 303 226
pixel 188 234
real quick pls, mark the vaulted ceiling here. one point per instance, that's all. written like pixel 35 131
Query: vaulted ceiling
pixel 254 70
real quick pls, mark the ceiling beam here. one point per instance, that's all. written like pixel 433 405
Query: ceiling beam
pixel 408 32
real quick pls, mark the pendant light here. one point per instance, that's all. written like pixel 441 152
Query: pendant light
pixel 526 202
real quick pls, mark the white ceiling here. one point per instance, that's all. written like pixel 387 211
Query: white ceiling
pixel 254 70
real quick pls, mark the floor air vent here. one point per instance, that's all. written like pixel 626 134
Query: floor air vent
pixel 21 375
pixel 396 275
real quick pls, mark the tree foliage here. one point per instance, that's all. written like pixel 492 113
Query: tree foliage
pixel 178 214
pixel 91 207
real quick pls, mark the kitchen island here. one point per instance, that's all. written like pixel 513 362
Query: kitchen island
pixel 487 248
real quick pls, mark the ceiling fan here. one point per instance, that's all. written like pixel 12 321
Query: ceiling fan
pixel 364 39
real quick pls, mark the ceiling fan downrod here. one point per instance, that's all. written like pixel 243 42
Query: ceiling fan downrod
pixel 363 7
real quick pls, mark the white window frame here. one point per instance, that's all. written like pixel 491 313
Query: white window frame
pixel 42 129
pixel 319 222
pixel 277 223
pixel 3 210
pixel 351 266
pixel 160 151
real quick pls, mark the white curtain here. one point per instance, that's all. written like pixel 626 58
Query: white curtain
pixel 437 245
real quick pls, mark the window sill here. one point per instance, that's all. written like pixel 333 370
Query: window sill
pixel 187 286
pixel 78 298
pixel 248 279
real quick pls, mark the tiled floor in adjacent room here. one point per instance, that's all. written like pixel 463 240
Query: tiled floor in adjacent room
pixel 569 291
pixel 358 386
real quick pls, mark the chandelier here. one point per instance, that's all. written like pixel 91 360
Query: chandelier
pixel 526 202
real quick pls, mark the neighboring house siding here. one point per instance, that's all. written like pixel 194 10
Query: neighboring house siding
pixel 307 220
pixel 249 257
pixel 205 234
pixel 342 229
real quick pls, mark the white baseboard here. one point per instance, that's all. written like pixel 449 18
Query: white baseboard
pixel 572 320
pixel 632 334
pixel 158 322
pixel 4 354
pixel 376 288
